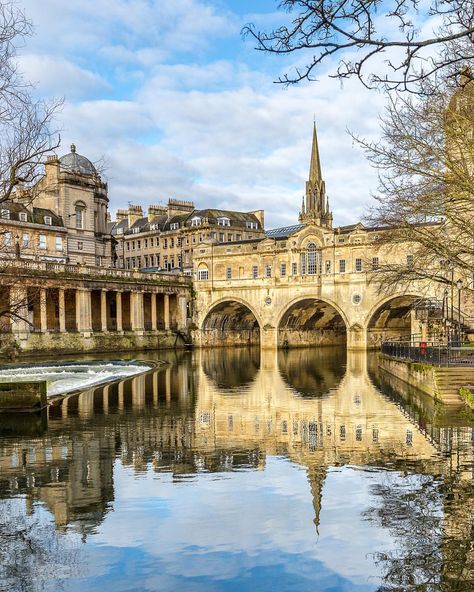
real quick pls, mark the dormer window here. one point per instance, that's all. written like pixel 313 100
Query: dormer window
pixel 196 221
pixel 174 226
pixel 23 217
pixel 223 221
pixel 120 230
pixel 6 214
pixel 253 225
pixel 48 220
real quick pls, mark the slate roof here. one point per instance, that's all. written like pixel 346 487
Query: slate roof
pixel 284 232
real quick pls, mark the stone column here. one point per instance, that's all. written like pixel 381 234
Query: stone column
pixel 43 311
pixel 83 311
pixel 182 313
pixel 357 338
pixel 62 311
pixel 166 310
pixel 118 306
pixel 19 303
pixel 136 305
pixel 268 338
pixel 168 386
pixel 105 399
pixel 153 311
pixel 103 311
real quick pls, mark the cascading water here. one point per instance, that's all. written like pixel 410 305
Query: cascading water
pixel 67 377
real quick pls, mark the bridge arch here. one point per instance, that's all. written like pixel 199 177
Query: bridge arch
pixel 310 320
pixel 392 318
pixel 230 321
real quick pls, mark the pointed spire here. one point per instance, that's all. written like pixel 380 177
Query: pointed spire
pixel 302 205
pixel 315 166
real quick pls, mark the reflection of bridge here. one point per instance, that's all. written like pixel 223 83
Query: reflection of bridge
pixel 233 410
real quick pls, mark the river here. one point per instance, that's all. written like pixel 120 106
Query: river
pixel 231 470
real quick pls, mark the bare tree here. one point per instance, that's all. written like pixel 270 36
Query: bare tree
pixel 425 202
pixel 360 34
pixel 26 138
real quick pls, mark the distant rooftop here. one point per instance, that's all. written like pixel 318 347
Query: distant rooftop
pixel 284 232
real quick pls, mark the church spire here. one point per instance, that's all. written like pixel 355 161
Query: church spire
pixel 316 207
pixel 315 166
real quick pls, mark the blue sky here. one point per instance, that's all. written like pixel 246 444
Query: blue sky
pixel 179 105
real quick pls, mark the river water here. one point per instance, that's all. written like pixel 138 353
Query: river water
pixel 231 470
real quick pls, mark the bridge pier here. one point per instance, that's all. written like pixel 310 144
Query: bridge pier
pixel 268 338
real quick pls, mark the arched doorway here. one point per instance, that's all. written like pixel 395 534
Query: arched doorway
pixel 393 319
pixel 230 323
pixel 310 322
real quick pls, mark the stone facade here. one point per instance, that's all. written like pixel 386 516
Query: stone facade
pixel 307 284
pixel 167 237
pixel 70 308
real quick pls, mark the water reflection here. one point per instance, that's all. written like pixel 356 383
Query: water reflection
pixel 311 462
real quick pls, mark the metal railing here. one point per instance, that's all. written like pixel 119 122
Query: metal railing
pixel 430 352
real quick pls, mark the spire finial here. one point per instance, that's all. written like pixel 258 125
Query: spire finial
pixel 73 148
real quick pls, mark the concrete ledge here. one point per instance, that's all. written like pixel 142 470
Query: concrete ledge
pixel 440 383
pixel 23 396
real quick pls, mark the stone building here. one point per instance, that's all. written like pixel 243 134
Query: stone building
pixel 73 190
pixel 167 236
pixel 306 284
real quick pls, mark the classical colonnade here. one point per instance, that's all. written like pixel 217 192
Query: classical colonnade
pixel 92 310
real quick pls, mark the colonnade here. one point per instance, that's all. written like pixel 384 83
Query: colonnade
pixel 94 310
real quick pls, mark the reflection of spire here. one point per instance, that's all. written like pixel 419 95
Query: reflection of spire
pixel 316 477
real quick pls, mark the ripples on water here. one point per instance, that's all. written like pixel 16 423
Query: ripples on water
pixel 229 471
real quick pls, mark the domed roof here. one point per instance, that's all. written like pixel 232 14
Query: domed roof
pixel 76 163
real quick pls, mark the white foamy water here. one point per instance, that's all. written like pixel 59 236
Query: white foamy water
pixel 64 378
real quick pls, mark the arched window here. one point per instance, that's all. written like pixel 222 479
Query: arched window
pixel 203 272
pixel 79 211
pixel 313 256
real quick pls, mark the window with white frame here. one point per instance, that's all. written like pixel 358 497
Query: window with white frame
pixel 268 271
pixel 342 265
pixel 358 264
pixel 328 266
pixel 203 273
pixel 223 221
pixel 23 217
pixel 48 220
pixel 375 262
pixel 42 241
pixel 6 214
pixel 196 221
pixel 313 259
pixel 283 269
pixel 174 225
pixel 26 240
pixel 294 269
pixel 252 225
pixel 255 272
pixel 7 239
pixel 59 243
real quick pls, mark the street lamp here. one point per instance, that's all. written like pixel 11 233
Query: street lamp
pixel 459 287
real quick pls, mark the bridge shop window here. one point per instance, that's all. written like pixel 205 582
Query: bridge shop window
pixel 228 273
pixel 328 267
pixel 283 270
pixel 268 271
pixel 342 266
pixel 375 263
pixel 358 264
pixel 294 269
pixel 255 272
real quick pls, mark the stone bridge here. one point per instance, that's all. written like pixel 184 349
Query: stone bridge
pixel 305 310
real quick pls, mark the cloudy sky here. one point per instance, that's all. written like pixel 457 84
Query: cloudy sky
pixel 179 105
